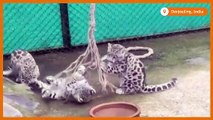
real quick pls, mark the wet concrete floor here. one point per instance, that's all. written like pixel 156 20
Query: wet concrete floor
pixel 184 56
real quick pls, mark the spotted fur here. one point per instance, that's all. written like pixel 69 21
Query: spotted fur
pixel 23 67
pixel 75 91
pixel 74 88
pixel 80 91
pixel 131 71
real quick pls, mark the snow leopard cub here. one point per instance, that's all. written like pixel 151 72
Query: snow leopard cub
pixel 23 66
pixel 74 88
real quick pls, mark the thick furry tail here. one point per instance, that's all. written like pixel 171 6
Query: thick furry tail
pixel 160 87
pixel 7 72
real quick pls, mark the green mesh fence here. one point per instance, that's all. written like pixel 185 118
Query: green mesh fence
pixel 38 26
pixel 116 21
pixel 31 27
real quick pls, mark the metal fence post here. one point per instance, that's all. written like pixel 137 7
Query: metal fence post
pixel 65 25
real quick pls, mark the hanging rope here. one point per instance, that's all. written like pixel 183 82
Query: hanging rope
pixel 92 52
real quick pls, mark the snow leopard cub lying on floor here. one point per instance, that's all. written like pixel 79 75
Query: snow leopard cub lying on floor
pixel 23 66
pixel 73 88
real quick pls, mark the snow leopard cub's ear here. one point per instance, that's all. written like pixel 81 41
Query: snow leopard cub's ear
pixel 109 47
pixel 49 79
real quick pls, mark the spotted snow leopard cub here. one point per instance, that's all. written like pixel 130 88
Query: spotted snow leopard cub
pixel 74 88
pixel 130 70
pixel 23 66
pixel 80 91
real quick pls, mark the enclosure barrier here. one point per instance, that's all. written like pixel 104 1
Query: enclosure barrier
pixel 37 27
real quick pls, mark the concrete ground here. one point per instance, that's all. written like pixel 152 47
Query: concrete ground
pixel 184 56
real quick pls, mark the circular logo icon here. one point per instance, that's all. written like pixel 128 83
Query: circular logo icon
pixel 164 11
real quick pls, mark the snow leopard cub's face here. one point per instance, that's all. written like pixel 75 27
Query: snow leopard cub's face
pixel 116 53
pixel 80 91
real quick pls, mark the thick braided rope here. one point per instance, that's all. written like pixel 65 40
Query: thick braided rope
pixel 83 57
pixel 150 51
pixel 95 53
pixel 92 52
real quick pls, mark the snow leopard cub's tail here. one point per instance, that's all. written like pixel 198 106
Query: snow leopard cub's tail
pixel 160 87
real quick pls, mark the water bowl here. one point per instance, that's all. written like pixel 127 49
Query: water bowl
pixel 115 109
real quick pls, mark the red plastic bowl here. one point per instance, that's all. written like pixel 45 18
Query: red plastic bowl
pixel 115 109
